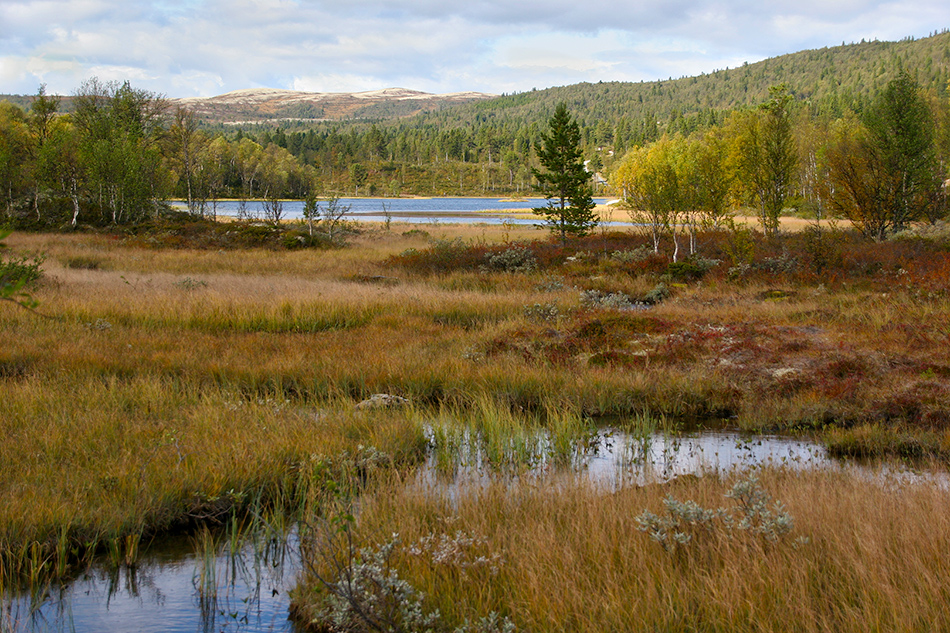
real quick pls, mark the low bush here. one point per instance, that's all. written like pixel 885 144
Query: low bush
pixel 690 270
pixel 25 270
pixel 687 525
pixel 17 274
pixel 514 259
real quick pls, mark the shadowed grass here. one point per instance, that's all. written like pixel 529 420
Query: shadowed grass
pixel 135 456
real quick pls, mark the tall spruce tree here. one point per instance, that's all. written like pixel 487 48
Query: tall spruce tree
pixel 902 132
pixel 779 161
pixel 564 181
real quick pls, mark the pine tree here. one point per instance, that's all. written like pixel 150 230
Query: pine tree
pixel 565 181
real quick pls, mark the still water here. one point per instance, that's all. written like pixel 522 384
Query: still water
pixel 171 589
pixel 408 210
pixel 174 588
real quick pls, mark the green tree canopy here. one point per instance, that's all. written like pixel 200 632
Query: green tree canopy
pixel 884 172
pixel 901 131
pixel 564 181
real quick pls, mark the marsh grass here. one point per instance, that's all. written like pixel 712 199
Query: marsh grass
pixel 148 455
pixel 144 403
pixel 874 441
pixel 862 555
pixel 489 436
pixel 232 563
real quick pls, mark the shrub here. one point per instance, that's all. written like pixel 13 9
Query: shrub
pixel 688 525
pixel 784 263
pixel 16 274
pixel 25 270
pixel 550 284
pixel 362 588
pixel 365 591
pixel 630 256
pixel 442 256
pixel 613 300
pixel 660 293
pixel 516 259
pixel 691 269
pixel 547 312
pixel 821 247
pixel 189 283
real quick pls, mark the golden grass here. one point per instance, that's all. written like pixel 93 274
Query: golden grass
pixel 862 556
pixel 116 408
pixel 91 461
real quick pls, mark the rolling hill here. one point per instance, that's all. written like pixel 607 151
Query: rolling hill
pixel 263 105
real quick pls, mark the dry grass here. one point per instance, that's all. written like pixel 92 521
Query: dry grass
pixel 862 556
pixel 145 348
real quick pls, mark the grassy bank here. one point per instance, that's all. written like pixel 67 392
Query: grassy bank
pixel 94 464
pixel 165 384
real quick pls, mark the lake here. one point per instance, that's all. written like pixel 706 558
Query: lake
pixel 411 210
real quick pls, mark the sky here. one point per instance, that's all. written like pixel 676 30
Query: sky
pixel 202 48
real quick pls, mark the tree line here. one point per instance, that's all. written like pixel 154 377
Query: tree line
pixel 121 152
pixel 882 170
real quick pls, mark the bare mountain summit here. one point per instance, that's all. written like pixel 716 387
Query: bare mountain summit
pixel 260 105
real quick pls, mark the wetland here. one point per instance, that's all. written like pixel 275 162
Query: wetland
pixel 586 437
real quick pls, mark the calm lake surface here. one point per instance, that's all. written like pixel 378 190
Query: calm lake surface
pixel 250 590
pixel 411 210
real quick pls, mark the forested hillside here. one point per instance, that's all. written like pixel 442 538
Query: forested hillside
pixel 829 80
pixel 498 134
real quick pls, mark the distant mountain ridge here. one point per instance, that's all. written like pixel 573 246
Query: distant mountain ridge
pixel 259 105
pixel 831 80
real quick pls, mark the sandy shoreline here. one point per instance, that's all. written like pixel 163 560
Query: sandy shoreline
pixel 610 213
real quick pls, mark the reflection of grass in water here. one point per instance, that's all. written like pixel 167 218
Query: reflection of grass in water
pixel 205 579
pixel 640 432
pixel 492 435
pixel 507 441
pixel 236 559
pixel 124 550
pixel 644 423
pixel 450 448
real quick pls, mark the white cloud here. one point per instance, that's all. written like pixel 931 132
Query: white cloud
pixel 332 82
pixel 205 47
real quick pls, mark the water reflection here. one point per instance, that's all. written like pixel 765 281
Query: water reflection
pixel 173 588
pixel 612 458
pixel 406 210
pixel 633 460
pixel 206 583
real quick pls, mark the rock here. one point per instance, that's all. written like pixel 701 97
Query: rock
pixel 784 372
pixel 382 401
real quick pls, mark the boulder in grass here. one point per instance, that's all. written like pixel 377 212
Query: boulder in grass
pixel 382 401
pixel 785 372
